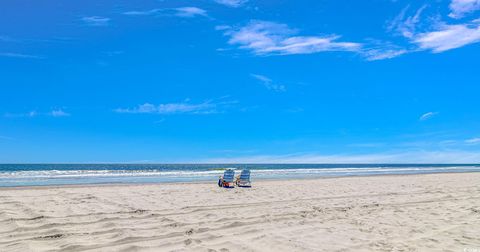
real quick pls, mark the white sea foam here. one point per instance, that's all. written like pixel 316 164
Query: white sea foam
pixel 53 174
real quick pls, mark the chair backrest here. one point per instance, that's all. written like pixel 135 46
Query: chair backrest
pixel 228 175
pixel 245 175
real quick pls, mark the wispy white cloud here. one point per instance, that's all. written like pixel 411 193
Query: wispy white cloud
pixel 383 53
pixel 35 113
pixel 461 7
pixel 412 156
pixel 143 13
pixel 427 116
pixel 19 55
pixel 406 25
pixel 475 140
pixel 207 107
pixel 266 38
pixel 448 37
pixel 222 27
pixel 430 33
pixel 58 113
pixel 96 21
pixel 32 113
pixel 434 35
pixel 232 3
pixel 268 83
pixel 9 39
pixel 186 12
pixel 270 38
pixel 190 12
pixel 168 108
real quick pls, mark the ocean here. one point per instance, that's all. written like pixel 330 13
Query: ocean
pixel 70 174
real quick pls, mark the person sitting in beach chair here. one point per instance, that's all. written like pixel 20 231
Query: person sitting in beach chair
pixel 244 179
pixel 227 179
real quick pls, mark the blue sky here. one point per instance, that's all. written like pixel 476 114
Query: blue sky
pixel 240 81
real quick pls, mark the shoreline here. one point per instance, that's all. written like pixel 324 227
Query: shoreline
pixel 86 185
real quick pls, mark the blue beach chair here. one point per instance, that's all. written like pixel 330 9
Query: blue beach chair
pixel 244 179
pixel 227 179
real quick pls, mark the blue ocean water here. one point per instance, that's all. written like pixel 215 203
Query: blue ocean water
pixel 65 174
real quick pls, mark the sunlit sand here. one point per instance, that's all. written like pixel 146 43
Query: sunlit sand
pixel 378 213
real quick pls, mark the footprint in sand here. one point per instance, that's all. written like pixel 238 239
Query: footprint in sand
pixel 189 232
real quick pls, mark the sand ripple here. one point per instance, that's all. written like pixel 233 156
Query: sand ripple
pixel 383 213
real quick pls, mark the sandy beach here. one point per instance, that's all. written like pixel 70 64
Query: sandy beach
pixel 436 212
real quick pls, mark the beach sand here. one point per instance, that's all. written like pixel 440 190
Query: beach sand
pixel 435 212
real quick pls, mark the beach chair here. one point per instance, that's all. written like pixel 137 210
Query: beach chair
pixel 227 179
pixel 244 179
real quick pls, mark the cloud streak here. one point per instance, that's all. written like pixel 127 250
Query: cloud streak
pixel 232 3
pixel 475 140
pixel 19 55
pixel 58 113
pixel 185 12
pixel 142 13
pixel 270 38
pixel 268 83
pixel 449 37
pixel 264 38
pixel 431 34
pixel 427 116
pixel 190 12
pixel 207 107
pixel 34 113
pixel 439 36
pixel 459 8
pixel 406 25
pixel 383 52
pixel 96 21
